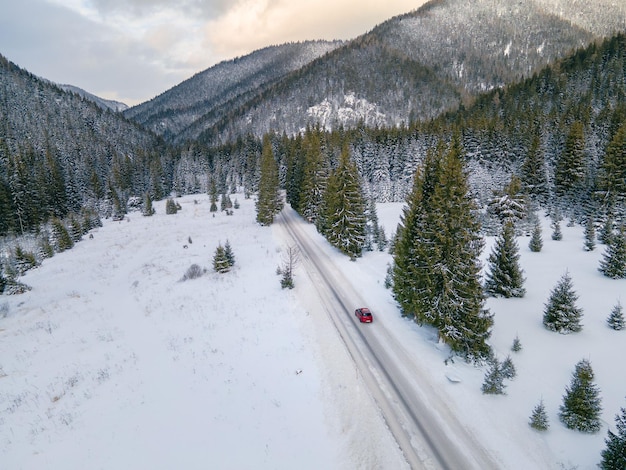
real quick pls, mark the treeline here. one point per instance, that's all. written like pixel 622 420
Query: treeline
pixel 560 131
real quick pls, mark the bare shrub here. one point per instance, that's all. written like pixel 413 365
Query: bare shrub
pixel 193 272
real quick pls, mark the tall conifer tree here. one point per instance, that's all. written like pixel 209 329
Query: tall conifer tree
pixel 436 262
pixel 536 242
pixel 561 313
pixel 344 208
pixel 534 174
pixel 590 234
pixel 569 171
pixel 613 263
pixel 315 176
pixel 612 173
pixel 614 456
pixel 582 406
pixel 505 276
pixel 269 202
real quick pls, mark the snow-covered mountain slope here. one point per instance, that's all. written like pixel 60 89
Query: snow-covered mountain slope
pixel 413 66
pixel 226 85
pixel 103 103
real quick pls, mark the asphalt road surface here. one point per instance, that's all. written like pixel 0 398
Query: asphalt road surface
pixel 427 432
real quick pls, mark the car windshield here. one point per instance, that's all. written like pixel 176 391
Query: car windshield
pixel 365 313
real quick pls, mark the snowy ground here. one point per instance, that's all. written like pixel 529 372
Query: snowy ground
pixel 111 361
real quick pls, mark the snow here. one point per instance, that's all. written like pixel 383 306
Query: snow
pixel 111 361
pixel 348 113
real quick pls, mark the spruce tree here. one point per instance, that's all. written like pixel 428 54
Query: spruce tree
pixel 534 174
pixel 614 456
pixel 375 231
pixel 314 179
pixel 507 368
pixel 607 229
pixel 510 203
pixel 613 264
pixel 536 242
pixel 517 345
pixel 3 280
pixel 344 208
pixel 225 202
pixel 61 237
pixel 590 235
pixel 557 235
pixel 561 313
pixel 118 208
pixel 436 255
pixel 539 418
pixel 213 195
pixel 220 260
pixel 505 276
pixel 46 250
pixel 616 318
pixel 569 171
pixel 228 252
pixel 581 406
pixel 148 210
pixel 170 206
pixel 269 202
pixel 76 230
pixel 611 181
pixel 494 379
pixel 24 260
pixel 409 277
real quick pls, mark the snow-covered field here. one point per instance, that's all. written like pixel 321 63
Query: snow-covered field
pixel 112 362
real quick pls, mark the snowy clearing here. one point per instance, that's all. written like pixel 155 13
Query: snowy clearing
pixel 111 361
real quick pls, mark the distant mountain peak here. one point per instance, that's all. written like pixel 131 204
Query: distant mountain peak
pixel 101 102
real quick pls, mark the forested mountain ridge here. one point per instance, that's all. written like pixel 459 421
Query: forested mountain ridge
pixel 60 152
pixel 561 131
pixel 205 97
pixel 411 67
pixel 103 103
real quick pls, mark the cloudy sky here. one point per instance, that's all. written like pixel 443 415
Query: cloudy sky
pixel 132 50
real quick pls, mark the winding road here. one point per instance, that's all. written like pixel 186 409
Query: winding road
pixel 427 432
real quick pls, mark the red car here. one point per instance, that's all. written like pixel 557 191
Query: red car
pixel 364 315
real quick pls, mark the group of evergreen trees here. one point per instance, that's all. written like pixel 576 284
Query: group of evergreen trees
pixel 224 258
pixel 581 410
pixel 436 255
pixel 53 237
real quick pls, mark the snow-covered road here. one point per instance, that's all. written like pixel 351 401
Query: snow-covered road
pixel 425 429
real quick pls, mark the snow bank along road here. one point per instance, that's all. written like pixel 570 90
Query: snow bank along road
pixel 425 429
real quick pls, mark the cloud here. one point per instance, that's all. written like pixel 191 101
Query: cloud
pixel 253 24
pixel 192 8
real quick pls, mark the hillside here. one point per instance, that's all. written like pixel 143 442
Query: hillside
pixel 60 152
pixel 499 130
pixel 411 67
pixel 103 103
pixel 210 94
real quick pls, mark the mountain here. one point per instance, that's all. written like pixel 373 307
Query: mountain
pixel 60 152
pixel 583 92
pixel 209 95
pixel 411 67
pixel 103 103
